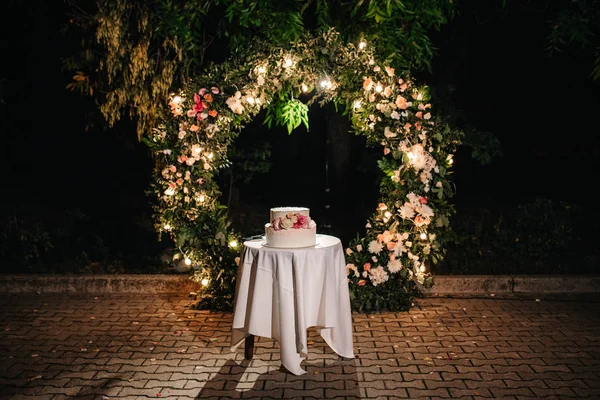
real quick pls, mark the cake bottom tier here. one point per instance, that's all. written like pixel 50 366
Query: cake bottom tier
pixel 290 238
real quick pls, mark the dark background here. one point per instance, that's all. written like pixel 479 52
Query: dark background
pixel 491 71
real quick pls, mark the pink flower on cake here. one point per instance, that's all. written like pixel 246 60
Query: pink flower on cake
pixel 276 224
pixel 303 221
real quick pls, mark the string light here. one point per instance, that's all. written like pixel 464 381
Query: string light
pixel 387 214
pixel 304 88
pixel 357 104
pixel 250 100
pixel 262 69
pixel 188 261
pixel 422 268
pixel 423 236
pixel 233 244
pixel 198 150
pixel 204 282
pixel 450 159
pixel 419 96
pixel 167 227
pixel 210 156
pixel 170 192
pixel 201 198
pixel 362 45
pixel 288 62
pixel 325 83
pixel 378 88
pixel 177 99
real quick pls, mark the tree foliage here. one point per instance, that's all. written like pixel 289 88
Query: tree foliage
pixel 133 52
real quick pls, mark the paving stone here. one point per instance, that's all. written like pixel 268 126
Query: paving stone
pixel 140 346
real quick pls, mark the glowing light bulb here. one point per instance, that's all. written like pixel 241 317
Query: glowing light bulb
pixel 357 104
pixel 198 150
pixel 423 236
pixel 411 155
pixel 362 45
pixel 419 96
pixel 304 88
pixel 262 69
pixel 204 282
pixel 210 156
pixel 167 227
pixel 325 83
pixel 288 62
pixel 170 192
pixel 188 261
pixel 450 159
pixel 387 214
pixel 378 88
pixel 233 244
pixel 177 99
pixel 258 101
pixel 250 100
pixel 201 198
pixel 422 268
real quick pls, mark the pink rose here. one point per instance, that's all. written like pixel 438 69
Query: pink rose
pixel 362 282
pixel 367 267
pixel 303 220
pixel 423 200
pixel 401 102
pixel 276 224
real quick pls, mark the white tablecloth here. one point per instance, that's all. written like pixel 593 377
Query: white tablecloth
pixel 282 292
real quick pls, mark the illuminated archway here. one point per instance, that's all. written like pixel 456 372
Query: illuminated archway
pixel 405 233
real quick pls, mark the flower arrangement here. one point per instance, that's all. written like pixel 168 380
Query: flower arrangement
pixel 292 221
pixel 406 233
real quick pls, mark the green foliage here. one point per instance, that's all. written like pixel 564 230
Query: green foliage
pixel 290 113
pixel 540 237
pixel 43 241
pixel 370 299
pixel 135 52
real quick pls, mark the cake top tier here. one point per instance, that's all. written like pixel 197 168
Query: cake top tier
pixel 280 212
pixel 289 209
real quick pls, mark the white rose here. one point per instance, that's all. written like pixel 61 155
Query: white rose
pixel 287 224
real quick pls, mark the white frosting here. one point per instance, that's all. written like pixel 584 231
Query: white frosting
pixel 279 212
pixel 290 238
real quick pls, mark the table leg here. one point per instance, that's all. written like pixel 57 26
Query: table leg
pixel 249 347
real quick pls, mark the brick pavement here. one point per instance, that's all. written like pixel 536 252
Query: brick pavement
pixel 128 346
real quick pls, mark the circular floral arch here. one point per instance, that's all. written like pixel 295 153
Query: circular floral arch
pixel 406 233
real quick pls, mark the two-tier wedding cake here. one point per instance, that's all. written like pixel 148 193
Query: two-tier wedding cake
pixel 290 227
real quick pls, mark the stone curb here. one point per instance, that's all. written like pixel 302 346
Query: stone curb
pixel 127 283
pixel 444 285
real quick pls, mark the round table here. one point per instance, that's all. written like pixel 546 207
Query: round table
pixel 280 293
